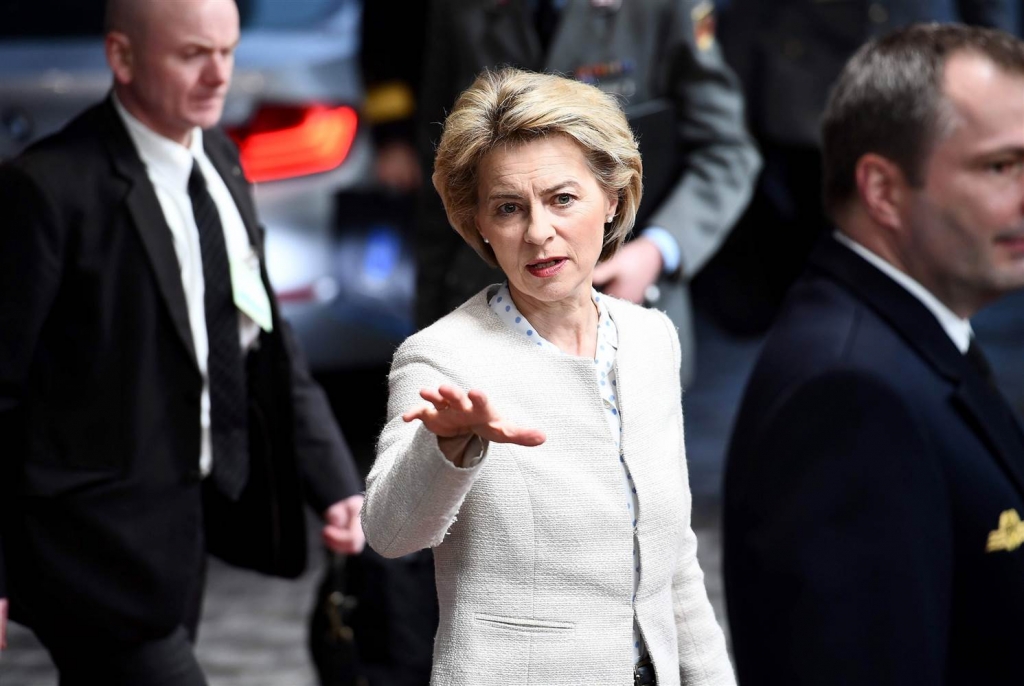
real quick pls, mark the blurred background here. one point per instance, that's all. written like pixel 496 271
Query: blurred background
pixel 322 107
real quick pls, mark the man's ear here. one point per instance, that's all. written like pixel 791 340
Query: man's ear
pixel 118 49
pixel 883 190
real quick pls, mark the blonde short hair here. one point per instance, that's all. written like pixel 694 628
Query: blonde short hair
pixel 509 107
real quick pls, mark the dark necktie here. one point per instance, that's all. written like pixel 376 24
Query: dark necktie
pixel 547 22
pixel 979 362
pixel 225 364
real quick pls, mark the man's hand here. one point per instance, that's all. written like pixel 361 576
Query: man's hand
pixel 630 271
pixel 455 417
pixel 3 623
pixel 343 532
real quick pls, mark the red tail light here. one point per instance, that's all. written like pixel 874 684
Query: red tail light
pixel 284 141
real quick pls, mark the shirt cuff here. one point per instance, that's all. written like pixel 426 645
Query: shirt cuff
pixel 475 452
pixel 667 246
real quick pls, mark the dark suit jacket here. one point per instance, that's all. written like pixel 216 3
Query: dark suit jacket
pixel 645 50
pixel 868 466
pixel 100 496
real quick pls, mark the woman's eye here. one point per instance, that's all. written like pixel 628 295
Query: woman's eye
pixel 507 208
pixel 563 198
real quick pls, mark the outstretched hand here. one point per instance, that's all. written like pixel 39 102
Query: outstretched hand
pixel 455 417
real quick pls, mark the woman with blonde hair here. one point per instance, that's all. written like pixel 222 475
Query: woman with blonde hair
pixel 535 435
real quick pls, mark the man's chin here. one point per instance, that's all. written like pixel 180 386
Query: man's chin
pixel 207 117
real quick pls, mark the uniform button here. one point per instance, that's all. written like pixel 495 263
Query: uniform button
pixel 793 49
pixel 877 13
pixel 195 475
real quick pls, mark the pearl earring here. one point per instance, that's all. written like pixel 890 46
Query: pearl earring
pixel 486 241
pixel 609 218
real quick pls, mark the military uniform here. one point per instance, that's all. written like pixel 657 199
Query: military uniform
pixel 645 50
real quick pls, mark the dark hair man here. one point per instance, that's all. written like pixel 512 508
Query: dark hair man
pixel 153 404
pixel 875 480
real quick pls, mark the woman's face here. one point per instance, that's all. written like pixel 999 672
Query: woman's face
pixel 543 212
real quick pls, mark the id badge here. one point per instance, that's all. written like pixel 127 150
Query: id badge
pixel 250 295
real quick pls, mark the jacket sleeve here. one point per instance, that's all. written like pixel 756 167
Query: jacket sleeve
pixel 703 658
pixel 413 492
pixel 838 541
pixel 326 465
pixel 720 160
pixel 32 242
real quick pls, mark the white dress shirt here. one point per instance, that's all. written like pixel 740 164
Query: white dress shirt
pixel 958 329
pixel 168 166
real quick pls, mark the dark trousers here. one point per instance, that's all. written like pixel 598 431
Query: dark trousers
pixel 169 661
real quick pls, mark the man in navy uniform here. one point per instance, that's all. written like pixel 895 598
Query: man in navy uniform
pixel 787 53
pixel 875 480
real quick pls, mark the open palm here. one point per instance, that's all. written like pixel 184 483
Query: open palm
pixel 453 413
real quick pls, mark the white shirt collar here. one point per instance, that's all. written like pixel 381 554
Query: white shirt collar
pixel 958 329
pixel 168 159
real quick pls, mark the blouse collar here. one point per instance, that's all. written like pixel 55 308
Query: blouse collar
pixel 607 334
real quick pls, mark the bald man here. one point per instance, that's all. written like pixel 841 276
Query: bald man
pixel 153 405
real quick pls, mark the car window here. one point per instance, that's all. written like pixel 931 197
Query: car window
pixel 84 18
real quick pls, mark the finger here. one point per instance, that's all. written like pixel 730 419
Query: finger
pixel 525 437
pixel 503 432
pixel 456 398
pixel 434 397
pixel 479 402
pixel 338 539
pixel 346 542
pixel 420 413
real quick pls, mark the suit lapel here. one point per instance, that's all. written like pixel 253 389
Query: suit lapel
pixel 990 416
pixel 148 217
pixel 983 408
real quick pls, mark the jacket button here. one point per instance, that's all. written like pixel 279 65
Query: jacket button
pixel 195 475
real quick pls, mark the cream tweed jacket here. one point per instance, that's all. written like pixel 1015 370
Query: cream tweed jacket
pixel 534 546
